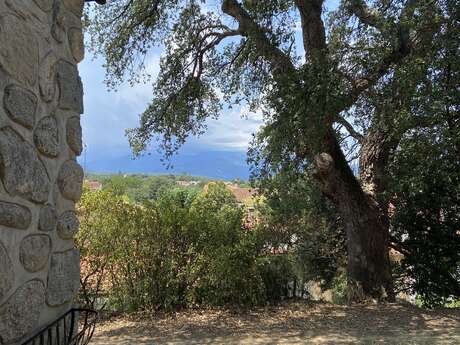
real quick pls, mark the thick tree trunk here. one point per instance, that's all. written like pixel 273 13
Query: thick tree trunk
pixel 366 225
pixel 369 274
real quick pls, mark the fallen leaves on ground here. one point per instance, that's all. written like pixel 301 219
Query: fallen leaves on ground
pixel 288 323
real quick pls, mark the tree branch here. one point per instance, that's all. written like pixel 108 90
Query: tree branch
pixel 237 55
pixel 218 37
pixel 405 45
pixel 123 12
pixel 365 14
pixel 279 61
pixel 349 127
pixel 313 32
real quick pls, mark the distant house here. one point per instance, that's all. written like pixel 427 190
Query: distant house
pixel 93 185
pixel 242 195
pixel 245 197
pixel 187 183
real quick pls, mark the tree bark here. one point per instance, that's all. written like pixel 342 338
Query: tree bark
pixel 373 160
pixel 369 272
pixel 366 225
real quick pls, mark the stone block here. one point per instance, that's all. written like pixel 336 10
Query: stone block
pixel 63 277
pixel 70 87
pixel 23 173
pixel 70 180
pixel 19 49
pixel 20 314
pixel 68 225
pixel 34 252
pixel 46 136
pixel 14 216
pixel 20 105
pixel 74 135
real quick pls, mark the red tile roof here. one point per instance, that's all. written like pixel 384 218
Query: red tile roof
pixel 94 185
pixel 242 194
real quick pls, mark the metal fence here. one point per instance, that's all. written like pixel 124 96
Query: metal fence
pixel 75 327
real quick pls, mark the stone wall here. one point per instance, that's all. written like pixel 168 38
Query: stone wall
pixel 40 137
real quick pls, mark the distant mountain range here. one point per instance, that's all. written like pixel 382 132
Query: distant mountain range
pixel 225 165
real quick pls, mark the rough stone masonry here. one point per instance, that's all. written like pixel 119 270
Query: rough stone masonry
pixel 41 100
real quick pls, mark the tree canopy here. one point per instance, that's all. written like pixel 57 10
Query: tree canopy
pixel 230 51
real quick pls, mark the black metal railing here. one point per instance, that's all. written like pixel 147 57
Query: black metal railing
pixel 76 327
pixel 100 2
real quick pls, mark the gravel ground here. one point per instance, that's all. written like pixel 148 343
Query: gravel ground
pixel 293 323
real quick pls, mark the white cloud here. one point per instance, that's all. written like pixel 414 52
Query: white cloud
pixel 140 93
pixel 232 130
pixel 109 114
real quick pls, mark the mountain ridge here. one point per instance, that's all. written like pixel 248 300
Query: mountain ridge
pixel 225 165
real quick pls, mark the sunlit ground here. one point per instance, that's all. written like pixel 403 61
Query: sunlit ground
pixel 296 323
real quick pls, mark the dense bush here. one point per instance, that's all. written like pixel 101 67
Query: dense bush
pixel 277 272
pixel 113 237
pixel 297 218
pixel 183 250
pixel 426 219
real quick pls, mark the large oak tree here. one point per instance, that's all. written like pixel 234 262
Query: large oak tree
pixel 309 71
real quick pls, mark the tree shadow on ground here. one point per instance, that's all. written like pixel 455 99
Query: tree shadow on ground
pixel 298 323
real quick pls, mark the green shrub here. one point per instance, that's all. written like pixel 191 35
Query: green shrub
pixel 277 272
pixel 182 250
pixel 339 289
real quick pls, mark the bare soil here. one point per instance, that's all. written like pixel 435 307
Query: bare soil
pixel 293 323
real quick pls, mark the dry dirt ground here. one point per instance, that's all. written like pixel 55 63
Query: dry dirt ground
pixel 294 323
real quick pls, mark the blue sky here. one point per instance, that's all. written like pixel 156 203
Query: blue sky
pixel 220 152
